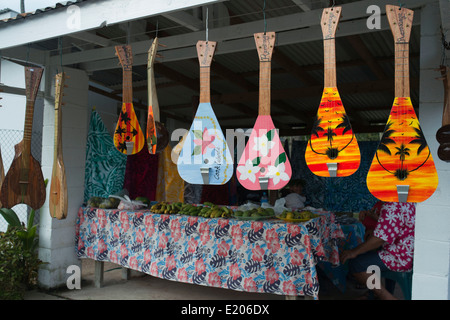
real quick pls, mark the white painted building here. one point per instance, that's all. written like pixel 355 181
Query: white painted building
pixel 80 36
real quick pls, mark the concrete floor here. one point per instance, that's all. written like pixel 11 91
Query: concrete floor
pixel 144 287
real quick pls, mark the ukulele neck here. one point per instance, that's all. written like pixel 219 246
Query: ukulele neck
pixel 402 70
pixel 264 87
pixel 58 137
pixel 205 91
pixel 28 127
pixel 127 95
pixel 329 46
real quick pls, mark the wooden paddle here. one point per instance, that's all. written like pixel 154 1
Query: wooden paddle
pixel 264 164
pixel 332 149
pixel 443 134
pixel 58 186
pixel 128 137
pixel 24 182
pixel 403 169
pixel 205 157
pixel 154 127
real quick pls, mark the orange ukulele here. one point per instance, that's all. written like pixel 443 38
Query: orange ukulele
pixel 58 186
pixel 403 169
pixel 332 150
pixel 128 137
pixel 157 135
pixel 24 182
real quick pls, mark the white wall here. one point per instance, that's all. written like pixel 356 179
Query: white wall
pixel 432 235
pixel 57 237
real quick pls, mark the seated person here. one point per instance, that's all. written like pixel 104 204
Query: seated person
pixel 294 200
pixel 391 246
pixel 369 218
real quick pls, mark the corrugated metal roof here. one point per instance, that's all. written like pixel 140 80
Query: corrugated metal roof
pixel 57 5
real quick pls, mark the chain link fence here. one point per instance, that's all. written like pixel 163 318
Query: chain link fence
pixel 8 139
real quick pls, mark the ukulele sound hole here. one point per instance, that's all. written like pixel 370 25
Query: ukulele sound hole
pixel 206 161
pixel 262 170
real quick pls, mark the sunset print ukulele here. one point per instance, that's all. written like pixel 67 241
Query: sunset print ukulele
pixel 205 157
pixel 402 169
pixel 157 135
pixel 332 149
pixel 128 136
pixel 264 164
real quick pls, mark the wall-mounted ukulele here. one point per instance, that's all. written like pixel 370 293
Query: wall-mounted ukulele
pixel 58 186
pixel 24 182
pixel 264 164
pixel 128 136
pixel 332 149
pixel 205 157
pixel 403 169
pixel 443 134
pixel 157 134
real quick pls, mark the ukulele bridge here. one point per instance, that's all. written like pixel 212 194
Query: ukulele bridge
pixel 402 192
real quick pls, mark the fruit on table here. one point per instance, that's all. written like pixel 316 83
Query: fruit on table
pixel 103 203
pixel 144 200
pixel 303 215
pixel 255 213
pixel 167 208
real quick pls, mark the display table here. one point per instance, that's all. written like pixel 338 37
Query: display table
pixel 269 256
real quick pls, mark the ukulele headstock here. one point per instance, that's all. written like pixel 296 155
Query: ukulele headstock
pixel 329 22
pixel 400 21
pixel 152 52
pixel 60 79
pixel 205 52
pixel 123 52
pixel 33 76
pixel 265 42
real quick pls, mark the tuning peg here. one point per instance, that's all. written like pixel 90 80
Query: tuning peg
pixel 162 45
pixel 66 86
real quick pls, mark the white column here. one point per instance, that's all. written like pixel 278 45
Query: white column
pixel 432 234
pixel 57 237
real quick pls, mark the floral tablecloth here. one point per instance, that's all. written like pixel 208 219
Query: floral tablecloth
pixel 269 256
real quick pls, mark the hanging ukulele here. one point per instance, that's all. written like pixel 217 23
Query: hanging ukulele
pixel 24 182
pixel 157 135
pixel 128 136
pixel 403 169
pixel 205 157
pixel 264 164
pixel 443 134
pixel 332 150
pixel 58 186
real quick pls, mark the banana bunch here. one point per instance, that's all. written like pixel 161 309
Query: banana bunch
pixel 166 208
pixel 208 210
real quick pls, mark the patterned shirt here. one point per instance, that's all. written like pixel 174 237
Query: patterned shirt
pixel 396 227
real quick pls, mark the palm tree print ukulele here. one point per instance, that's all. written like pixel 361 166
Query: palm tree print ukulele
pixel 128 136
pixel 264 164
pixel 332 149
pixel 402 169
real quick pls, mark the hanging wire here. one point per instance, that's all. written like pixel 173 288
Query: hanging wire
pixel 157 25
pixel 264 17
pixel 207 29
pixel 60 44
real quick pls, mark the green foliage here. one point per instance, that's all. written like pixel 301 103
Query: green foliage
pixel 18 266
pixel 19 260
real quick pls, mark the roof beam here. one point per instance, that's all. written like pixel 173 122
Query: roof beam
pixel 294 28
pixel 185 19
pixel 91 15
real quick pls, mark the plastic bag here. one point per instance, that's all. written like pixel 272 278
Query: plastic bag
pixel 127 204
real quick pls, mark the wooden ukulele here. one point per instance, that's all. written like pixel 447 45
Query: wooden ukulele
pixel 403 169
pixel 205 157
pixel 58 186
pixel 264 164
pixel 332 149
pixel 128 136
pixel 24 182
pixel 443 134
pixel 157 135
